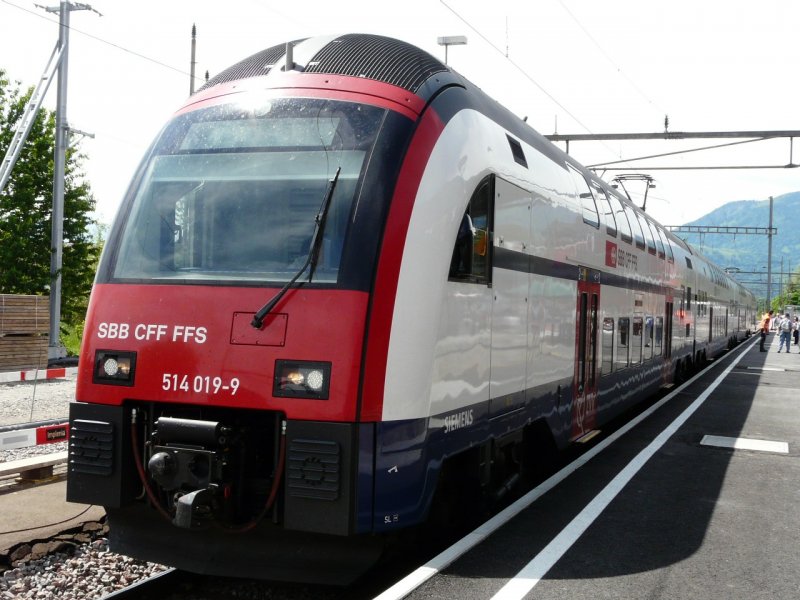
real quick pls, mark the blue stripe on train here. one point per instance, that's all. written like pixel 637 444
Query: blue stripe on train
pixel 410 453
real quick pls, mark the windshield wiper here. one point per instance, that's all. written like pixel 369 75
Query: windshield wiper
pixel 313 253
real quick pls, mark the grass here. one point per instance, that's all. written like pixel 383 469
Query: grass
pixel 71 337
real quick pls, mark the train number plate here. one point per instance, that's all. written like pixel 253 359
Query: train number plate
pixel 199 384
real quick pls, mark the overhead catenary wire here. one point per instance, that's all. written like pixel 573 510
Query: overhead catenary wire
pixel 522 71
pixel 103 41
pixel 627 160
pixel 515 65
pixel 609 59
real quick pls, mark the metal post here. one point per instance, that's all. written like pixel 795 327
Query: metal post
pixel 193 63
pixel 451 40
pixel 769 258
pixel 55 348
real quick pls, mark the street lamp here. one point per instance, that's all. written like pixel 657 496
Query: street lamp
pixel 451 40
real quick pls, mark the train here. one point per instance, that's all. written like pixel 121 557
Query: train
pixel 346 294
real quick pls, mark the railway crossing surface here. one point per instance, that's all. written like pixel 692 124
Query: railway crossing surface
pixel 701 499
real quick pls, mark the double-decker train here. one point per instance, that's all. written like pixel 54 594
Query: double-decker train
pixel 345 291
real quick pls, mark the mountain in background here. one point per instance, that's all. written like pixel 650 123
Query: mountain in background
pixel 749 252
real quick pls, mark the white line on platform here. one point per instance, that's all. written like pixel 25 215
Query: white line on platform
pixel 416 578
pixel 765 369
pixel 745 444
pixel 524 581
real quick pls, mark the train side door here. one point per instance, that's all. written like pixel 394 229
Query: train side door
pixel 510 287
pixel 669 308
pixel 584 401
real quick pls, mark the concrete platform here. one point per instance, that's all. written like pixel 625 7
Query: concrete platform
pixel 39 512
pixel 700 500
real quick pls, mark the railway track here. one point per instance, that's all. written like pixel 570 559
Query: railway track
pixel 180 585
pixel 159 586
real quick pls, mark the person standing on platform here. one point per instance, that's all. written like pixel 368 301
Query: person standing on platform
pixel 765 322
pixel 785 329
pixel 796 332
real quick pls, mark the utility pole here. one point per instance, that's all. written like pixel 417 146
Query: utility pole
pixel 193 62
pixel 769 258
pixel 55 349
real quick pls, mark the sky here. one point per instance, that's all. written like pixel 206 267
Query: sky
pixel 569 66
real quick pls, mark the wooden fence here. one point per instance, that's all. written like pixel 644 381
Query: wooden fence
pixel 24 327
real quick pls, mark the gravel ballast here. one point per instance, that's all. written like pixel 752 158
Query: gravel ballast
pixel 74 565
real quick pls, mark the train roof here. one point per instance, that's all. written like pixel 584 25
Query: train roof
pixel 356 54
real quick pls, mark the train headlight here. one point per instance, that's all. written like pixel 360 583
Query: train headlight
pixel 114 368
pixel 300 379
pixel 315 380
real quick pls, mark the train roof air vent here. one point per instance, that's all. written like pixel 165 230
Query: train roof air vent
pixel 516 150
pixel 357 55
pixel 253 66
pixel 376 57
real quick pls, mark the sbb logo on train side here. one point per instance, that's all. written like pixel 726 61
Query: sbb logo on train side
pixel 152 331
pixel 619 257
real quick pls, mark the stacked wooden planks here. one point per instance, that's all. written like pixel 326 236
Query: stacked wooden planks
pixel 24 325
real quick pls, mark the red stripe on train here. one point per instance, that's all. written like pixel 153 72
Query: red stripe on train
pixel 391 256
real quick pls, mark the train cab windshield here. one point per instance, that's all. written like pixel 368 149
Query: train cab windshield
pixel 231 192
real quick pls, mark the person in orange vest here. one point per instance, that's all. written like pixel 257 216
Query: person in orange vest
pixel 765 322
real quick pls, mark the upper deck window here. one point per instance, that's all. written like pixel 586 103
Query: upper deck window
pixel 232 192
pixel 637 227
pixel 648 234
pixel 659 243
pixel 606 212
pixel 621 219
pixel 585 196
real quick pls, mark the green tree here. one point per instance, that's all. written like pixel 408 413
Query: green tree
pixel 26 207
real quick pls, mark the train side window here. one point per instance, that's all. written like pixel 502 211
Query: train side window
pixel 606 212
pixel 659 242
pixel 637 227
pixel 648 234
pixel 659 335
pixel 623 331
pixel 586 198
pixel 471 260
pixel 607 364
pixel 636 340
pixel 668 248
pixel 621 219
pixel 648 337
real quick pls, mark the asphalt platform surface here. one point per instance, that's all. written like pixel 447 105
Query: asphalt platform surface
pixel 694 521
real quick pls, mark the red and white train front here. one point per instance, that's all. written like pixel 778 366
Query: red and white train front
pixel 197 416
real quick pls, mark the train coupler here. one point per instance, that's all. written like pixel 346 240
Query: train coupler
pixel 193 507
